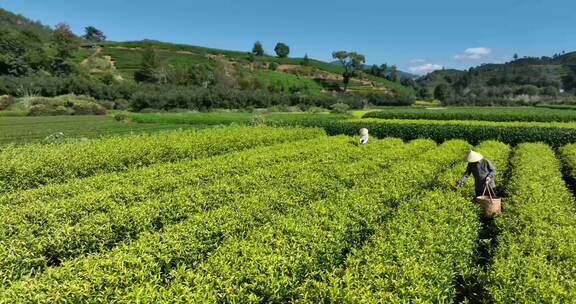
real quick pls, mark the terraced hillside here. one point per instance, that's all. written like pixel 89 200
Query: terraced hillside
pixel 127 58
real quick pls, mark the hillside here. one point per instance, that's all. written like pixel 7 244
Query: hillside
pixel 11 21
pixel 127 58
pixel 540 75
pixel 25 42
pixel 531 76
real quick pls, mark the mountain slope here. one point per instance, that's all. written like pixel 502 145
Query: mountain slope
pixel 12 21
pixel 556 73
pixel 127 57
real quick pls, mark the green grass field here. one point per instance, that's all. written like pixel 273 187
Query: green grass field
pixel 21 130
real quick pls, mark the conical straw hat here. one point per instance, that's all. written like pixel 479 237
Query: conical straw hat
pixel 363 131
pixel 473 157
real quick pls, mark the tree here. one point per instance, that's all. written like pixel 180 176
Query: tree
pixel 351 62
pixel 515 57
pixel 149 66
pixel 550 91
pixel 408 82
pixel 282 50
pixel 65 42
pixel 423 93
pixel 93 34
pixel 22 53
pixel 383 70
pixel 374 70
pixel 305 61
pixel 257 49
pixel 528 89
pixel 441 92
pixel 394 73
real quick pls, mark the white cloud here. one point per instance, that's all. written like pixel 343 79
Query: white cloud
pixel 417 61
pixel 474 53
pixel 424 68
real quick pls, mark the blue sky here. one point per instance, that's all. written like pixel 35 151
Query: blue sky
pixel 417 36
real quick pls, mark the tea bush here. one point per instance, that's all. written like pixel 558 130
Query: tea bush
pixel 534 261
pixel 36 165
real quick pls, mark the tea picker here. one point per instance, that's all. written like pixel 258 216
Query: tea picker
pixel 363 136
pixel 484 172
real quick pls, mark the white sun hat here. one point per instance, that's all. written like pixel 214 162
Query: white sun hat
pixel 473 157
pixel 363 131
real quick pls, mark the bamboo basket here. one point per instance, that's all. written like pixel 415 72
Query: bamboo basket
pixel 489 204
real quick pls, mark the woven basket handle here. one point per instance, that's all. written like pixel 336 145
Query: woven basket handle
pixel 490 191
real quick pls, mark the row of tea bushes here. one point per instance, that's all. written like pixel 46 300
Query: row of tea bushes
pixel 32 166
pixel 554 134
pixel 273 263
pixel 418 254
pixel 477 113
pixel 534 261
pixel 44 233
pixel 155 256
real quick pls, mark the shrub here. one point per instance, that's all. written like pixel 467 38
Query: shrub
pixel 65 105
pixel 107 104
pixel 121 104
pixel 5 102
pixel 88 109
pixel 316 110
pixel 258 119
pixel 49 110
pixel 340 108
pixel 293 109
pixel 121 117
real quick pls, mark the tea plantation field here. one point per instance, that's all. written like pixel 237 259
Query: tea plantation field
pixel 282 215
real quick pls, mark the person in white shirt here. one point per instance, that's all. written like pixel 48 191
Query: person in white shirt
pixel 363 136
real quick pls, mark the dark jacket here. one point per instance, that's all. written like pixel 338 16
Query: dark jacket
pixel 480 170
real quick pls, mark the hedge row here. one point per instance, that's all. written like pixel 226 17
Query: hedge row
pixel 510 124
pixel 273 262
pixel 477 113
pixel 36 165
pixel 568 153
pixel 555 134
pixel 535 261
pixel 416 256
pixel 154 257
